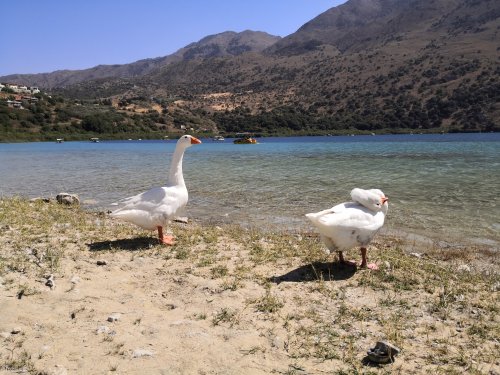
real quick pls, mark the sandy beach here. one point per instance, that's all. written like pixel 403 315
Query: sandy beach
pixel 81 293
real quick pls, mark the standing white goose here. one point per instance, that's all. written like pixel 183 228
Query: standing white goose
pixel 351 224
pixel 155 208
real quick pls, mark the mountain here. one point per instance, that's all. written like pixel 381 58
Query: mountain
pixel 228 43
pixel 366 65
pixel 360 25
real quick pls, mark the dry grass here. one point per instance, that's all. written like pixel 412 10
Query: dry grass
pixel 303 312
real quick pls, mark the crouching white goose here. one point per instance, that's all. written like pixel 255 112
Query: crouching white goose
pixel 351 224
pixel 155 208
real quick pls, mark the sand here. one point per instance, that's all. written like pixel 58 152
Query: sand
pixel 228 300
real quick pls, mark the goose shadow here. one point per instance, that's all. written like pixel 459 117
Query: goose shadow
pixel 317 271
pixel 127 244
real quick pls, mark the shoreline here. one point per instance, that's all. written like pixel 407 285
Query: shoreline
pixel 161 136
pixel 83 293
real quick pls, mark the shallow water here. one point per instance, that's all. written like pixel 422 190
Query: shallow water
pixel 441 186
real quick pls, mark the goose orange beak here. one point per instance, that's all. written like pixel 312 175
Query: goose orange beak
pixel 195 141
pixel 384 199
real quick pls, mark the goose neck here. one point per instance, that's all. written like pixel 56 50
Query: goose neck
pixel 175 176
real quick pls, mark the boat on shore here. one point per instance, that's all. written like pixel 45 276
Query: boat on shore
pixel 59 140
pixel 218 138
pixel 95 140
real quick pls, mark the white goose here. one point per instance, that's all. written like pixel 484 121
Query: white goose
pixel 351 224
pixel 155 208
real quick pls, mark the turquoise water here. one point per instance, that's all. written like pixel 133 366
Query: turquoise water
pixel 441 186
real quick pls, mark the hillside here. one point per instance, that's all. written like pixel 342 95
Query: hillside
pixel 364 66
pixel 225 44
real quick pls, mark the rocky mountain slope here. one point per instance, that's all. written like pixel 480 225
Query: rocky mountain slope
pixel 366 65
pixel 225 44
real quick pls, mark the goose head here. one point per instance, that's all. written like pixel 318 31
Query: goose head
pixel 187 141
pixel 373 199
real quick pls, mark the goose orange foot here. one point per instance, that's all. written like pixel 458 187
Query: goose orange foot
pixel 364 264
pixel 165 239
pixel 370 266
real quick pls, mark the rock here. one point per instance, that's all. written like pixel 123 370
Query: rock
pixel 5 335
pixel 59 370
pixel 50 281
pixel 383 352
pixel 181 219
pixel 494 288
pixel 416 255
pixel 463 268
pixel 101 263
pixel 278 343
pixel 142 353
pixel 75 280
pixel 387 265
pixel 15 330
pixel 103 329
pixel 68 199
pixel 114 317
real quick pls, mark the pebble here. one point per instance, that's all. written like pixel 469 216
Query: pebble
pixel 142 353
pixel 59 370
pixel 181 219
pixel 170 306
pixel 494 288
pixel 416 255
pixel 278 342
pixel 101 263
pixel 50 281
pixel 463 268
pixel 103 329
pixel 75 280
pixel 114 317
pixel 15 330
pixel 387 265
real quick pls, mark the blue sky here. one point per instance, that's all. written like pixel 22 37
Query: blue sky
pixel 43 36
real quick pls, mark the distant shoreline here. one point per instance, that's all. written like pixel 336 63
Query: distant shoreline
pixel 52 137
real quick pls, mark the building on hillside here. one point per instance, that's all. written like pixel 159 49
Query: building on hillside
pixel 29 98
pixel 14 104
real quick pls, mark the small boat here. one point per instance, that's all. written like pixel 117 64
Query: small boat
pixel 245 138
pixel 95 140
pixel 218 138
pixel 60 140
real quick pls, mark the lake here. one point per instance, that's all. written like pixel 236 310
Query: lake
pixel 444 187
